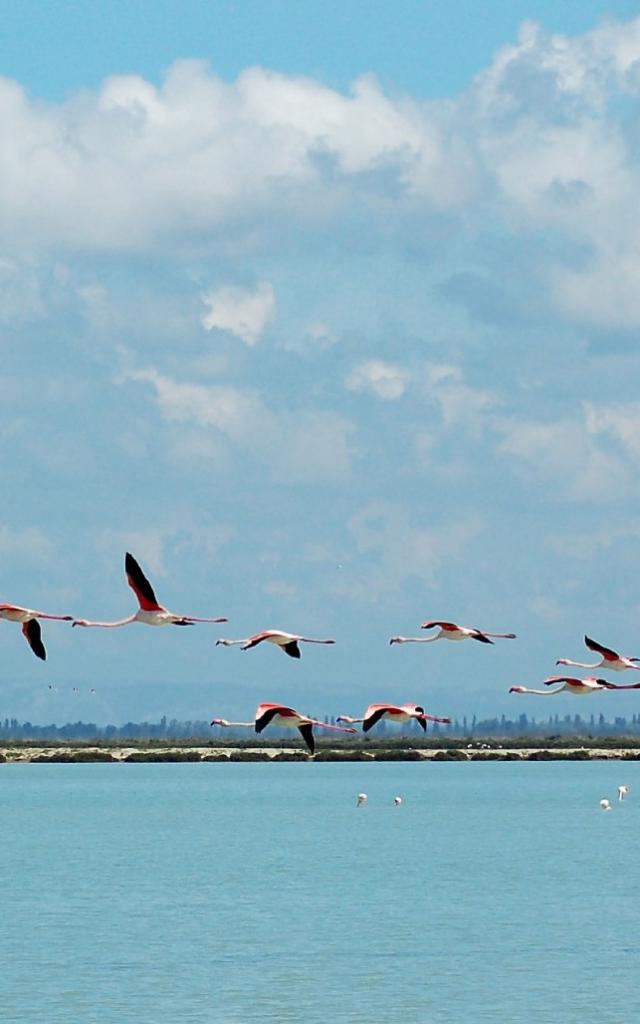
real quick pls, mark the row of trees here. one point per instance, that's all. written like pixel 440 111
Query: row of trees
pixel 165 729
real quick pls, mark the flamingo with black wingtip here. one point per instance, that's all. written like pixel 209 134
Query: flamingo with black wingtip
pixel 451 631
pixel 610 659
pixel 394 713
pixel 287 642
pixel 578 687
pixel 284 717
pixel 150 611
pixel 30 625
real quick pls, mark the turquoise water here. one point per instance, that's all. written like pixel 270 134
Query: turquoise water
pixel 231 894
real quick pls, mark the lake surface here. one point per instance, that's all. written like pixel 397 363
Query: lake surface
pixel 241 893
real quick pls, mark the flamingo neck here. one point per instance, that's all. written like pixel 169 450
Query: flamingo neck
pixel 104 625
pixel 336 728
pixel 580 664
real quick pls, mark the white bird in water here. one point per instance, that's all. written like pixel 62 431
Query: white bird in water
pixel 610 659
pixel 361 800
pixel 287 642
pixel 605 805
pixel 623 792
pixel 279 715
pixel 395 713
pixel 30 625
pixel 149 611
pixel 451 631
pixel 578 687
pixel 397 800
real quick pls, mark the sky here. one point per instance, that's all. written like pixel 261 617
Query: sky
pixel 329 314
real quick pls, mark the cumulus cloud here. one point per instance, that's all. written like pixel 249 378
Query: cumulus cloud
pixel 240 311
pixel 386 380
pixel 540 142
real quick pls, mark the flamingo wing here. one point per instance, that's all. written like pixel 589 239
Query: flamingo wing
pixel 606 652
pixel 373 714
pixel 291 649
pixel 33 635
pixel 306 731
pixel 140 585
pixel 265 714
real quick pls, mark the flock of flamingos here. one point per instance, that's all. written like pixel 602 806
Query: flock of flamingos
pixel 152 613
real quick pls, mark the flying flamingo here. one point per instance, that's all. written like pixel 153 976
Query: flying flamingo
pixel 395 713
pixel 150 611
pixel 287 642
pixel 610 659
pixel 30 625
pixel 578 687
pixel 278 714
pixel 450 631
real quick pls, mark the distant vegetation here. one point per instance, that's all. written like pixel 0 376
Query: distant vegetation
pixel 523 731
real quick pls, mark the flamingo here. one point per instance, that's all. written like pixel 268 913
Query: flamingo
pixel 623 792
pixel 605 805
pixel 150 611
pixel 578 687
pixel 450 631
pixel 287 642
pixel 30 625
pixel 395 713
pixel 397 801
pixel 362 798
pixel 610 659
pixel 278 714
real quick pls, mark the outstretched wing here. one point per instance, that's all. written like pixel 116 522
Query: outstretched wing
pixel 306 731
pixel 265 714
pixel 477 635
pixel 291 649
pixel 574 680
pixel 606 652
pixel 374 713
pixel 140 585
pixel 33 635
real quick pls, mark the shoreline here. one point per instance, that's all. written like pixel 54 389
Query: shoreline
pixel 87 754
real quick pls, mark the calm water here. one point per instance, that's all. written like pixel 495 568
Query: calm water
pixel 207 893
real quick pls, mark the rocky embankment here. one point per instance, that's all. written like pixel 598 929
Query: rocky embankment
pixel 218 755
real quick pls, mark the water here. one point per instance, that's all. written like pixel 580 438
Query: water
pixel 232 894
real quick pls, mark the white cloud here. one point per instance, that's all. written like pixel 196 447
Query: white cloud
pixel 243 312
pixel 565 455
pixel 461 405
pixel 540 142
pixel 386 380
pixel 621 422
pixel 304 444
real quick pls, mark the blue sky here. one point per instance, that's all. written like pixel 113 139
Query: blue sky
pixel 329 316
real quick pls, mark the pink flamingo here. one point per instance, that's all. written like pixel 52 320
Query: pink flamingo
pixel 279 715
pixel 578 687
pixel 610 659
pixel 395 713
pixel 30 625
pixel 287 642
pixel 150 611
pixel 450 631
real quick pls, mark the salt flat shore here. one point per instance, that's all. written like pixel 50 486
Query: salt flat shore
pixel 85 754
